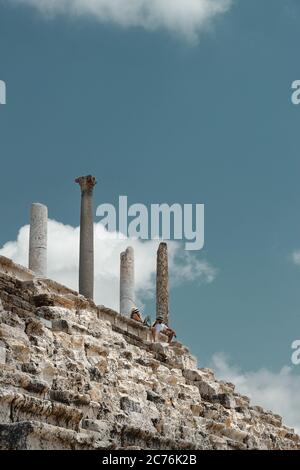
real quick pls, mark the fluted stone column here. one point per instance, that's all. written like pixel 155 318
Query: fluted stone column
pixel 38 239
pixel 162 283
pixel 86 256
pixel 127 294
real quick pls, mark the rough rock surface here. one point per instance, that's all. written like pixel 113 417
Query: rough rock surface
pixel 77 376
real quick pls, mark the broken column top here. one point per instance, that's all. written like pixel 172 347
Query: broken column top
pixel 40 205
pixel 162 251
pixel 162 246
pixel 129 252
pixel 86 183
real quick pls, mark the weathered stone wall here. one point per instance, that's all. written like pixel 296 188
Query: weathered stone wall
pixel 74 375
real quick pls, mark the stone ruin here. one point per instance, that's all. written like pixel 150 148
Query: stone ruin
pixel 76 375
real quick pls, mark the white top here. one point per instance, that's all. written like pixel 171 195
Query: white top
pixel 160 327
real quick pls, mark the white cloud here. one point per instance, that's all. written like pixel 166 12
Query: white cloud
pixel 188 268
pixel 278 392
pixel 296 257
pixel 186 17
pixel 63 248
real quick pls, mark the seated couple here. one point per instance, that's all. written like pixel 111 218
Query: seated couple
pixel 158 326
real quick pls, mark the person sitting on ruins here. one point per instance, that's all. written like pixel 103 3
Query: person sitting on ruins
pixel 135 315
pixel 160 327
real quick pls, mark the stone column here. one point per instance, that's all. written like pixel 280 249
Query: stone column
pixel 162 283
pixel 38 239
pixel 86 256
pixel 127 294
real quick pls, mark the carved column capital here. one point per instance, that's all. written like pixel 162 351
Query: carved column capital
pixel 86 183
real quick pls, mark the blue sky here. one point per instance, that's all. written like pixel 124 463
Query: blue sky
pixel 200 113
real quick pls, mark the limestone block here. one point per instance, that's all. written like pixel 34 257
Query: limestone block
pixel 228 431
pixel 62 325
pixel 95 393
pixel 160 348
pixel 192 375
pixel 242 401
pixel 6 398
pixel 227 387
pixel 173 379
pixel 207 389
pixel 121 322
pixel 55 313
pixel 2 353
pixel 46 323
pixel 224 399
pixel 128 405
pixel 13 378
pixel 137 424
pixel 70 342
pixel 36 327
pixel 70 397
pixel 217 442
pixel 183 361
pixel 28 407
pixel 94 347
pixel 207 373
pixel 33 435
pixel 31 368
pixel 155 397
pixel 37 386
pixel 152 411
pixel 47 371
pixel 270 418
pixel 100 426
pixel 189 392
pixel 14 270
pixel 10 332
pixel 20 350
pixel 197 409
pixel 100 363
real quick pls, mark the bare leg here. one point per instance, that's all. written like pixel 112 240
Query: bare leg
pixel 170 335
pixel 153 334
